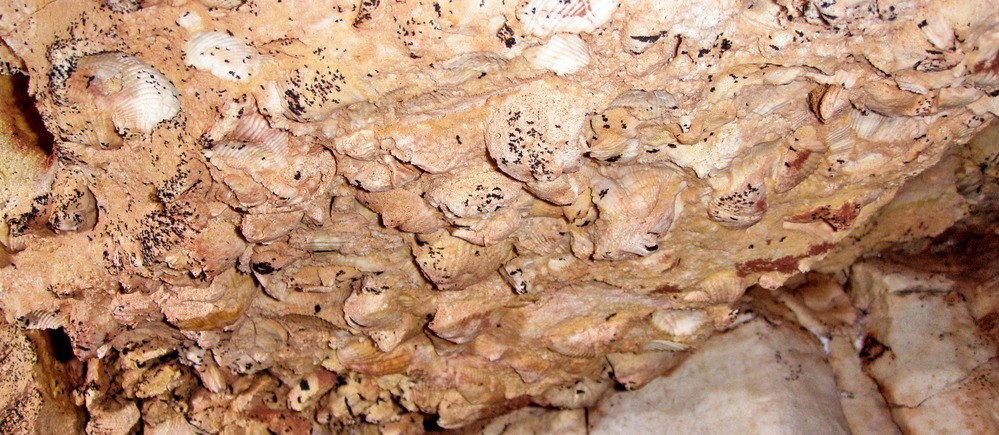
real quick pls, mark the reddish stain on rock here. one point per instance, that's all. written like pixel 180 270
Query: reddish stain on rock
pixel 786 264
pixel 839 218
pixel 991 66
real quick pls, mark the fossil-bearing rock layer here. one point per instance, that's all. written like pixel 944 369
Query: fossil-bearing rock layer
pixel 286 215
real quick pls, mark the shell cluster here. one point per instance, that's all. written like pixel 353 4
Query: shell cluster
pixel 393 210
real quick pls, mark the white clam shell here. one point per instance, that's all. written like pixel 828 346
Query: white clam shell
pixel 562 54
pixel 124 90
pixel 546 17
pixel 224 56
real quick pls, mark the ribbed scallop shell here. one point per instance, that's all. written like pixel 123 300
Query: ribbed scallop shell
pixel 646 105
pixel 222 4
pixel 563 191
pixel 877 128
pixel 614 139
pixel 44 320
pixel 827 101
pixel 562 54
pixel 679 322
pixel 362 356
pixel 534 134
pixel 801 155
pixel 546 17
pixel 134 96
pixel 742 199
pixel 376 175
pixel 224 56
pixel 452 263
pixel 636 206
pixel 474 192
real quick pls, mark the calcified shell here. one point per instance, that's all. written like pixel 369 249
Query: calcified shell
pixel 646 105
pixel 679 322
pixel 223 55
pixel 827 101
pixel 877 128
pixel 452 263
pixel 222 4
pixel 563 191
pixel 562 54
pixel 741 199
pixel 111 417
pixel 362 356
pixel 218 305
pixel 802 154
pixel 614 139
pixel 123 90
pixel 44 320
pixel 74 207
pixel 476 192
pixel 546 17
pixel 534 135
pixel 403 209
pixel 636 207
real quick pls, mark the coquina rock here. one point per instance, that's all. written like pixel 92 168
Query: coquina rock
pixel 253 215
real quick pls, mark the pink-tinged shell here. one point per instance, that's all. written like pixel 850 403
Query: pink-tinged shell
pixel 403 209
pixel 563 191
pixel 828 101
pixel 534 134
pixel 125 95
pixel 453 264
pixel 475 192
pixel 378 174
pixel 615 137
pixel 224 56
pixel 740 196
pixel 562 54
pixel 801 155
pixel 547 17
pixel 636 207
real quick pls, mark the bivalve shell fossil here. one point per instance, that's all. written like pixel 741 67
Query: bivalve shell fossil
pixel 562 54
pixel 122 92
pixel 546 17
pixel 224 56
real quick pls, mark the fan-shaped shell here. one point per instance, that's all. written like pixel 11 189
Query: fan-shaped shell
pixel 827 101
pixel 122 91
pixel 646 105
pixel 562 54
pixel 636 206
pixel 224 56
pixel 403 209
pixel 362 356
pixel 614 139
pixel 562 191
pixel 41 319
pixel 534 135
pixel 741 200
pixel 475 192
pixel 800 157
pixel 546 17
pixel 679 322
pixel 452 263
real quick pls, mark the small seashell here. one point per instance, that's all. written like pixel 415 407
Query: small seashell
pixel 222 4
pixel 563 191
pixel 887 99
pixel 473 65
pixel 268 227
pixel 126 95
pixel 639 34
pixel 453 264
pixel 546 17
pixel 534 134
pixel 562 54
pixel 362 356
pixel 44 320
pixel 307 391
pixel 665 346
pixel 680 323
pixel 877 128
pixel 740 197
pixel 404 210
pixel 474 192
pixel 614 139
pixel 113 417
pixel 958 96
pixel 827 101
pixel 800 157
pixel 938 31
pixel 216 306
pixel 73 206
pixel 636 207
pixel 646 105
pixel 376 175
pixel 224 56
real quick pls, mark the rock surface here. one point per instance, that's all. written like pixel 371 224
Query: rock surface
pixel 394 213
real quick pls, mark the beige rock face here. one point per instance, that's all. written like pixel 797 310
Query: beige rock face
pixel 286 216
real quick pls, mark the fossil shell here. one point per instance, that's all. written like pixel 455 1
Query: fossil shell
pixel 679 322
pixel 403 209
pixel 887 99
pixel 74 207
pixel 307 391
pixel 224 56
pixel 646 105
pixel 44 320
pixel 800 157
pixel 476 192
pixel 376 175
pixel 220 304
pixel 827 101
pixel 562 54
pixel 452 263
pixel 562 191
pixel 546 17
pixel 877 128
pixel 636 207
pixel 222 4
pixel 614 139
pixel 534 135
pixel 111 417
pixel 364 357
pixel 126 96
pixel 268 227
pixel 741 200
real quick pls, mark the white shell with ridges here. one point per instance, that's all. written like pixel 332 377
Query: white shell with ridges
pixel 562 54
pixel 226 57
pixel 547 17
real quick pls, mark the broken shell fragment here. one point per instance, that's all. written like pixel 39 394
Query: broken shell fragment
pixel 636 206
pixel 452 263
pixel 546 17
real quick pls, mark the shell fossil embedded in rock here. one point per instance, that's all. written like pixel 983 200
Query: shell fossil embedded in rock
pixel 120 95
pixel 358 219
